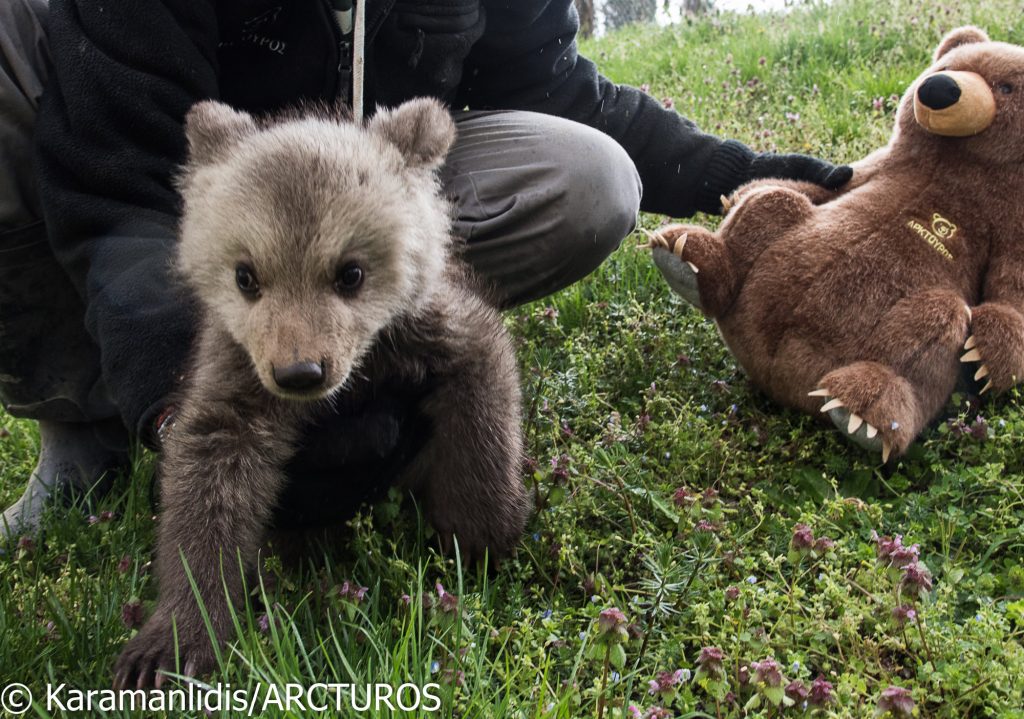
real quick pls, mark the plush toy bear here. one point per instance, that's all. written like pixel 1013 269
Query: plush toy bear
pixel 857 304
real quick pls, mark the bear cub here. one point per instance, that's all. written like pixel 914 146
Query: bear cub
pixel 321 257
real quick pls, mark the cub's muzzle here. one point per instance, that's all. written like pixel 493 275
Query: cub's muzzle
pixel 299 376
pixel 954 104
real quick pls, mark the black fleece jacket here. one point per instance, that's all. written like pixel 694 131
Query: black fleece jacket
pixel 109 132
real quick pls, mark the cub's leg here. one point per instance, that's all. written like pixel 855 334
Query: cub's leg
pixel 468 476
pixel 909 368
pixel 221 476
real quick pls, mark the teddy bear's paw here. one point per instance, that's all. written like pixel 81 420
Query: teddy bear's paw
pixel 996 346
pixel 681 275
pixel 872 406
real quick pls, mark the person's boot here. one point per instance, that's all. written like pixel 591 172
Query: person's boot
pixel 76 461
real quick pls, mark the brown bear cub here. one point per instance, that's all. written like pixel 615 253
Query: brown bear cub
pixel 320 253
pixel 857 305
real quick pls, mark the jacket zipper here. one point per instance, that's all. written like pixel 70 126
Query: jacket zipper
pixel 343 13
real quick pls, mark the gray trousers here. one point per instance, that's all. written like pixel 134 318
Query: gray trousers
pixel 542 201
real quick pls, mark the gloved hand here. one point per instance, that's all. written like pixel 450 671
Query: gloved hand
pixel 734 164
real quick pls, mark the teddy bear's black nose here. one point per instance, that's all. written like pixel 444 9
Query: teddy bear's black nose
pixel 299 376
pixel 938 92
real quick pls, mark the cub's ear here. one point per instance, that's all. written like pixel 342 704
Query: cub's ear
pixel 422 130
pixel 212 127
pixel 961 36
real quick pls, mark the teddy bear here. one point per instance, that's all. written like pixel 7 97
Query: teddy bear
pixel 861 305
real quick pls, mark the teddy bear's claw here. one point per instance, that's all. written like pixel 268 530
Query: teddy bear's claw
pixel 831 405
pixel 871 432
pixel 855 422
pixel 726 203
pixel 982 372
pixel 677 250
pixel 973 356
pixel 886 450
pixel 821 392
pixel 986 388
pixel 693 267
pixel 971 343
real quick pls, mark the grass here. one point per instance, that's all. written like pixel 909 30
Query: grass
pixel 665 486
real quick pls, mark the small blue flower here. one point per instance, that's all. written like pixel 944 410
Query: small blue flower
pixel 751 579
pixel 536 536
pixel 583 635
pixel 546 614
pixel 685 676
pixel 616 677
pixel 594 599
pixel 435 667
pixel 795 668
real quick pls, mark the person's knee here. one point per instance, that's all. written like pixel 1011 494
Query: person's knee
pixel 601 199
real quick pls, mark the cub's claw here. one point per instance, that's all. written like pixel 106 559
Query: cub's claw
pixel 971 343
pixel 831 405
pixel 973 356
pixel 982 372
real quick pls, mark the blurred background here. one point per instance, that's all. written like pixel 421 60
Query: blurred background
pixel 599 16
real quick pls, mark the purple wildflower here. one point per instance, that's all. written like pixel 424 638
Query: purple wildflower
pixel 797 690
pixel 821 692
pixel 896 701
pixel 767 672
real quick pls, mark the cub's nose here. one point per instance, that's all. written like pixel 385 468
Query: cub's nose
pixel 938 92
pixel 299 376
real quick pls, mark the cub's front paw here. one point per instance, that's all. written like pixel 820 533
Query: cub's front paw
pixel 153 651
pixel 996 344
pixel 494 531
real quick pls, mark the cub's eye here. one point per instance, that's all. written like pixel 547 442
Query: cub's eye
pixel 1004 88
pixel 246 280
pixel 349 278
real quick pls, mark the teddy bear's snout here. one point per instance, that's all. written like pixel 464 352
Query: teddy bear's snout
pixel 954 104
pixel 938 92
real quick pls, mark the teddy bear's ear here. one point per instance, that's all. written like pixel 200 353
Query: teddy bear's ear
pixel 212 127
pixel 961 36
pixel 422 130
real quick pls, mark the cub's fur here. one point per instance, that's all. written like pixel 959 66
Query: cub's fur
pixel 320 255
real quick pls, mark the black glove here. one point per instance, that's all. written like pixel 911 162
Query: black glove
pixel 351 457
pixel 734 164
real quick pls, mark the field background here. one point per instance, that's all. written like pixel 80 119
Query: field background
pixel 631 397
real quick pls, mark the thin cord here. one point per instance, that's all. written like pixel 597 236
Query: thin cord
pixel 358 61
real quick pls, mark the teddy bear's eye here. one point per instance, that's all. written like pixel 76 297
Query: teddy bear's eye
pixel 1004 88
pixel 246 280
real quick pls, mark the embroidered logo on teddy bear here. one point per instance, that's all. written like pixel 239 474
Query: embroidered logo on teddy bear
pixel 942 229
